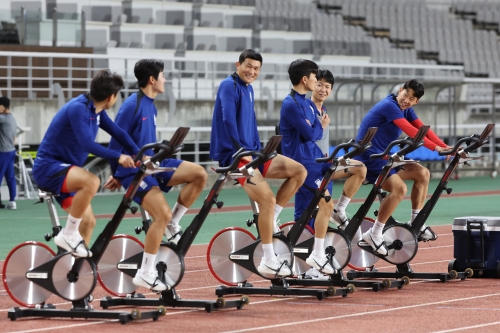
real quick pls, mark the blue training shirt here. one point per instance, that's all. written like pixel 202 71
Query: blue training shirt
pixel 71 134
pixel 140 126
pixel 382 115
pixel 234 124
pixel 299 137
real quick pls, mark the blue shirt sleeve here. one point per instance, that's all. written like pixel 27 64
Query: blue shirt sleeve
pixel 81 127
pixel 392 112
pixel 410 115
pixel 229 102
pixel 297 119
pixel 116 132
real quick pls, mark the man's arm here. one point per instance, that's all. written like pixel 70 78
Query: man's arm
pixel 430 134
pixel 81 128
pixel 120 135
pixel 296 118
pixel 228 97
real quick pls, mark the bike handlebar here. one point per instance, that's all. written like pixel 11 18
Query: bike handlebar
pixel 165 148
pixel 408 144
pixel 360 147
pixel 268 153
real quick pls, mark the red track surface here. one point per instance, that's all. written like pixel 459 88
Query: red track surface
pixel 423 306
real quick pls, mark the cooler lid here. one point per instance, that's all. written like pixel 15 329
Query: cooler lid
pixel 491 223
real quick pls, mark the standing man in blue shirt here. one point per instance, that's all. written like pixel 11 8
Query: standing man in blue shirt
pixel 64 149
pixel 302 126
pixel 234 126
pixel 8 129
pixel 355 176
pixel 394 115
pixel 137 117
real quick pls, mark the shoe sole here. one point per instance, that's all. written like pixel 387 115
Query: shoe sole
pixel 271 272
pixel 372 245
pixel 314 264
pixel 144 284
pixel 74 254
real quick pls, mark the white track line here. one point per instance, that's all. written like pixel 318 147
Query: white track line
pixel 361 314
pixel 468 327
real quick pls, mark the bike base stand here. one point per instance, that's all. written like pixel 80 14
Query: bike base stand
pixel 405 271
pixel 172 299
pixel 49 310
pixel 339 280
pixel 281 287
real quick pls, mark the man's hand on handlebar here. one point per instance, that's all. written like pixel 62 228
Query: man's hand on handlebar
pixel 444 150
pixel 112 184
pixel 126 161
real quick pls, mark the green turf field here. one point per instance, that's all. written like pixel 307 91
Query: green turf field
pixel 31 222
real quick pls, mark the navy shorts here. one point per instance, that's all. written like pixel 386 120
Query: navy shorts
pixel 305 194
pixel 160 179
pixel 374 168
pixel 50 176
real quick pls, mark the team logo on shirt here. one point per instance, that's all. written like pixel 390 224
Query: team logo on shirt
pixel 250 94
pixel 312 109
pixel 318 182
pixel 143 185
pixel 155 119
pixel 98 119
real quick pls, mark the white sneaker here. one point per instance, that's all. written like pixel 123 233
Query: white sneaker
pixel 274 266
pixel 11 205
pixel 149 280
pixel 376 242
pixel 312 273
pixel 73 243
pixel 173 233
pixel 426 234
pixel 276 227
pixel 339 219
pixel 321 263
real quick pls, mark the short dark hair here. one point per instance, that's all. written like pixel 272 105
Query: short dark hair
pixel 105 84
pixel 250 54
pixel 325 74
pixel 146 68
pixel 417 87
pixel 5 102
pixel 300 68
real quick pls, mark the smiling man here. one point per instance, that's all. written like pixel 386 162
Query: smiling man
pixel 234 126
pixel 394 115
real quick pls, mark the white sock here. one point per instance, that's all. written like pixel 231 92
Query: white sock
pixel 342 204
pixel 177 213
pixel 319 247
pixel 414 213
pixel 277 211
pixel 377 228
pixel 72 225
pixel 268 251
pixel 148 262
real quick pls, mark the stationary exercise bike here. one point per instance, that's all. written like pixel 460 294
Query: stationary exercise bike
pixel 341 243
pixel 32 272
pixel 231 262
pixel 402 238
pixel 124 255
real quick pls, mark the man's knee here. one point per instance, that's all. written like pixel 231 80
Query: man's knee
pixel 326 206
pixel 93 183
pixel 201 175
pixel 161 215
pixel 266 198
pixel 399 190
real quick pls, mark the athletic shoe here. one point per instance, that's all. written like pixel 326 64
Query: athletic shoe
pixel 73 243
pixel 426 234
pixel 173 233
pixel 276 227
pixel 376 242
pixel 339 219
pixel 313 274
pixel 149 280
pixel 275 266
pixel 321 263
pixel 11 205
